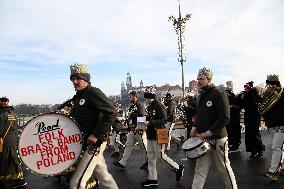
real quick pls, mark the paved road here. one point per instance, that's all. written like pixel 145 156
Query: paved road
pixel 248 172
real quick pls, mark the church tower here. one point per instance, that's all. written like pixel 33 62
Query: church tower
pixel 128 82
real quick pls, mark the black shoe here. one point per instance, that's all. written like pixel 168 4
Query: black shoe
pixel 2 185
pixel 148 183
pixel 259 154
pixel 20 183
pixel 271 176
pixel 118 164
pixel 179 173
pixel 253 155
pixel 144 165
pixel 115 154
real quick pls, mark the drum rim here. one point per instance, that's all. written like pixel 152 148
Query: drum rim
pixel 195 157
pixel 192 148
pixel 48 175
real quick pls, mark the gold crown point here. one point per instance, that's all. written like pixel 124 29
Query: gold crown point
pixel 273 77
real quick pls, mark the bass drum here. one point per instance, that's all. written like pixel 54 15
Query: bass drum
pixel 195 147
pixel 50 144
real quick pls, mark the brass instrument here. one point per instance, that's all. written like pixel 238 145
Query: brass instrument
pixel 66 107
pixel 269 97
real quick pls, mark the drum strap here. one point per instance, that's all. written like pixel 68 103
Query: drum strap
pixel 10 124
pixel 213 143
pixel 2 138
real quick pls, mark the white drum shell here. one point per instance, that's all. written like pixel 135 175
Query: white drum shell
pixel 195 148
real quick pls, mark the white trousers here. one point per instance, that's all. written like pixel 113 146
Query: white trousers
pixel 130 144
pixel 90 164
pixel 154 152
pixel 277 150
pixel 113 139
pixel 222 162
pixel 170 127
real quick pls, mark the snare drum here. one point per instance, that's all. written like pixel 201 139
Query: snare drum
pixel 50 144
pixel 195 147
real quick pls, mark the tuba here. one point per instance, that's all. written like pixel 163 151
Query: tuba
pixel 269 98
pixel 66 107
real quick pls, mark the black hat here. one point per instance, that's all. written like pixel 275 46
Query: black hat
pixel 168 95
pixel 4 99
pixel 150 92
pixel 249 85
pixel 133 93
pixel 80 71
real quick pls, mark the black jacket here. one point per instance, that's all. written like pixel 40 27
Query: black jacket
pixel 136 110
pixel 274 116
pixel 94 112
pixel 157 116
pixel 7 117
pixel 213 112
pixel 170 110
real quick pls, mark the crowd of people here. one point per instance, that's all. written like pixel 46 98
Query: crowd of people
pixel 211 115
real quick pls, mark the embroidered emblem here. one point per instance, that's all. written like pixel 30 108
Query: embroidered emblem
pixel 82 101
pixel 209 103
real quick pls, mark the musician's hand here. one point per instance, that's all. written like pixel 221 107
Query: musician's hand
pixel 193 133
pixel 92 139
pixel 147 123
pixel 202 135
pixel 139 131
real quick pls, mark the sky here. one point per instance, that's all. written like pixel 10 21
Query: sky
pixel 239 40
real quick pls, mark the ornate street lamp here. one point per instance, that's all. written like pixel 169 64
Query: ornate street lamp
pixel 179 26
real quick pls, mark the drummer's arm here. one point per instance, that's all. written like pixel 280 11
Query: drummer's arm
pixel 205 134
pixel 223 114
pixel 108 112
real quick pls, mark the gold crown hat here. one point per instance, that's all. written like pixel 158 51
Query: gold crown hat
pixel 273 79
pixel 80 71
pixel 206 73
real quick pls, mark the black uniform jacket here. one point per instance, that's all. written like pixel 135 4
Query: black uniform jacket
pixel 213 112
pixel 170 110
pixel 274 116
pixel 7 117
pixel 157 116
pixel 136 110
pixel 94 112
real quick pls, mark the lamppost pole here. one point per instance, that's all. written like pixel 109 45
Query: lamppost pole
pixel 179 25
pixel 181 53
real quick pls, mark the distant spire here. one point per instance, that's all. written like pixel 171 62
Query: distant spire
pixel 128 81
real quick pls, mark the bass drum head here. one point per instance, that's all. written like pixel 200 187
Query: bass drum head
pixel 50 144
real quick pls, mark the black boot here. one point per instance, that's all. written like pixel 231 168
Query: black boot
pixel 20 183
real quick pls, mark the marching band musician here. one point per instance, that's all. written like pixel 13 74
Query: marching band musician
pixel 168 102
pixel 249 102
pixel 115 130
pixel 234 127
pixel 189 111
pixel 212 117
pixel 272 111
pixel 136 110
pixel 10 167
pixel 95 114
pixel 156 118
